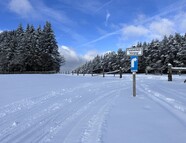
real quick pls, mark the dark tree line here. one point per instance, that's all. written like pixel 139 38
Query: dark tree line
pixel 29 50
pixel 156 56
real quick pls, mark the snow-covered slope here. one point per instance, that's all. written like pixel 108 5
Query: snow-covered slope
pixel 84 109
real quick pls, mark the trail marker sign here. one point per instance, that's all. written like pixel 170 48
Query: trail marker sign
pixel 134 63
pixel 134 51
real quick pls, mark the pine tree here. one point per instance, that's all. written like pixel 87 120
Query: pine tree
pixel 5 51
pixel 29 50
pixel 50 52
pixel 10 49
pixel 29 47
pixel 17 62
pixel 120 57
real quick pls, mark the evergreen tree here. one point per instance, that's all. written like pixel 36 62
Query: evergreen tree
pixel 17 62
pixel 29 50
pixel 156 55
pixel 120 57
pixel 50 55
pixel 9 51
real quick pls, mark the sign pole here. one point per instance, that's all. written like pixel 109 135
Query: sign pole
pixel 134 53
pixel 134 83
pixel 134 69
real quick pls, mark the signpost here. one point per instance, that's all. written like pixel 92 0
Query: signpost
pixel 134 53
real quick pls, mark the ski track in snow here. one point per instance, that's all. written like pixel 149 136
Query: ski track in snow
pixel 59 113
pixel 171 104
pixel 79 114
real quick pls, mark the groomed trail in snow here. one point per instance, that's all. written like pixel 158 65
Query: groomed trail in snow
pixel 83 109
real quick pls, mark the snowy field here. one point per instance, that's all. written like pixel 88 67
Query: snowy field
pixel 83 109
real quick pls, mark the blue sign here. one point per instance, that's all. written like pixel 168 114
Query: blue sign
pixel 134 63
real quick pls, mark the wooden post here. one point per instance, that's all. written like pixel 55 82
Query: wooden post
pixel 146 71
pixel 120 72
pixel 179 72
pixel 169 72
pixel 134 83
pixel 103 72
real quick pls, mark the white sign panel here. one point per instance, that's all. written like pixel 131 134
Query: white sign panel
pixel 134 51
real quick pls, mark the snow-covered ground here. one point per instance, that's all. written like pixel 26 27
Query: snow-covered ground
pixel 83 109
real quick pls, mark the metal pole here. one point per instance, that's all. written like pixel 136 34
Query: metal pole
pixel 134 83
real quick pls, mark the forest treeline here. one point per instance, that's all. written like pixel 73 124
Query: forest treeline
pixel 30 49
pixel 156 56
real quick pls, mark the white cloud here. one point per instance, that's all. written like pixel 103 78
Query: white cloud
pixel 146 26
pixel 21 7
pixel 155 29
pixel 68 53
pixel 1 31
pixel 134 31
pixel 73 60
pixel 162 27
pixel 38 10
pixel 107 18
pixel 90 55
pixel 71 55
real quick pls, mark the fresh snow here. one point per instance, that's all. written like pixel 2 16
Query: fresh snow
pixel 84 109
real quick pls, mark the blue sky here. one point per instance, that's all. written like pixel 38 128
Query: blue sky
pixel 84 28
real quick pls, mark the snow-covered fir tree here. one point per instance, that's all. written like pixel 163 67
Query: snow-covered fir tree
pixel 29 50
pixel 156 56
